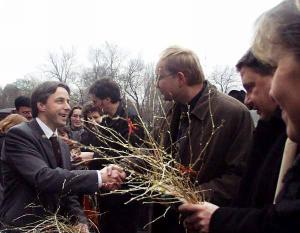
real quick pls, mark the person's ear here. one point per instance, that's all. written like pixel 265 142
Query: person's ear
pixel 41 107
pixel 181 79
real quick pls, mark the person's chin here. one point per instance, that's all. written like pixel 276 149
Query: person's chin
pixel 62 123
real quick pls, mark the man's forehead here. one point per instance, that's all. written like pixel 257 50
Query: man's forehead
pixel 161 69
pixel 60 95
pixel 94 98
pixel 25 108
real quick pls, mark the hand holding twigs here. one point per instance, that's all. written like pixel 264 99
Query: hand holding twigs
pixel 198 216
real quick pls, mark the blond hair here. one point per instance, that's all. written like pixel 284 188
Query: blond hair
pixel 177 59
pixel 277 30
pixel 10 121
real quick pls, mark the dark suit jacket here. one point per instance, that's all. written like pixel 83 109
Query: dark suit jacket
pixel 33 184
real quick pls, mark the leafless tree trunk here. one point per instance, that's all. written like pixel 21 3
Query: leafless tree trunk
pixel 133 80
pixel 106 61
pixel 225 78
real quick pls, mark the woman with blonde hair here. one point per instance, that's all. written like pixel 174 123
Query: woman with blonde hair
pixel 10 121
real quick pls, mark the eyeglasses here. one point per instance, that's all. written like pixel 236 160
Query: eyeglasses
pixel 160 77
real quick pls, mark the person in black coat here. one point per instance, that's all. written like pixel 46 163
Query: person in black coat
pixel 277 43
pixel 120 118
pixel 258 185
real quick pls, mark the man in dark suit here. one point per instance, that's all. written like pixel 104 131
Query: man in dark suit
pixel 35 166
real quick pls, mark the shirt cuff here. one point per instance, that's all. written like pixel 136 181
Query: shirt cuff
pixel 99 179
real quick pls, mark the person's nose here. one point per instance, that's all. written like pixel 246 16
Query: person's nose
pixel 67 106
pixel 248 101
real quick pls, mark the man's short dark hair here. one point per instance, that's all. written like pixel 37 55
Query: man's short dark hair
pixel 250 61
pixel 106 88
pixel 88 108
pixel 42 92
pixel 22 101
pixel 239 95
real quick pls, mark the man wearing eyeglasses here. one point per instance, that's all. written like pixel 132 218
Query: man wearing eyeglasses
pixel 210 133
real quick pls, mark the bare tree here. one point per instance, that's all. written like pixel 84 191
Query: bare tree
pixel 99 67
pixel 61 66
pixel 81 86
pixel 151 103
pixel 133 81
pixel 113 58
pixel 26 85
pixel 106 61
pixel 9 94
pixel 225 78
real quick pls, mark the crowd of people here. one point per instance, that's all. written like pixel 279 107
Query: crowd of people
pixel 248 176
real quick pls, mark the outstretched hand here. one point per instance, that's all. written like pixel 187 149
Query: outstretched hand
pixel 112 177
pixel 198 216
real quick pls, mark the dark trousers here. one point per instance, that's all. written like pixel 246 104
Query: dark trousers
pixel 116 217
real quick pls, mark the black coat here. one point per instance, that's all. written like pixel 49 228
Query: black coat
pixel 258 185
pixel 119 124
pixel 2 137
pixel 283 217
pixel 31 176
pixel 118 217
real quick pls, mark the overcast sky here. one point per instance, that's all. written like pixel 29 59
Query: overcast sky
pixel 218 31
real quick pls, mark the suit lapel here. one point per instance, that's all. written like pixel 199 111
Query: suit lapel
pixel 45 143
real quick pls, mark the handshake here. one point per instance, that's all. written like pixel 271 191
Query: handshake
pixel 112 177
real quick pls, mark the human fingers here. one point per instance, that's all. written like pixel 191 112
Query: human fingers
pixel 117 176
pixel 116 167
pixel 189 208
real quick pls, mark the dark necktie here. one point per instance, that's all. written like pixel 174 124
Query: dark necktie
pixel 56 150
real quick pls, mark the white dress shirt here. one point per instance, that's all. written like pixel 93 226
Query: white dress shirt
pixel 48 132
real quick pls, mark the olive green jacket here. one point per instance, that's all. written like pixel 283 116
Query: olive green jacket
pixel 215 145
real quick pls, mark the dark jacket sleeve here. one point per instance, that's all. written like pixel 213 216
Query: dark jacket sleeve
pixel 280 218
pixel 22 153
pixel 283 217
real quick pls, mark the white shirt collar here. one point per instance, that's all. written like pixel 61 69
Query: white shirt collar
pixel 47 131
